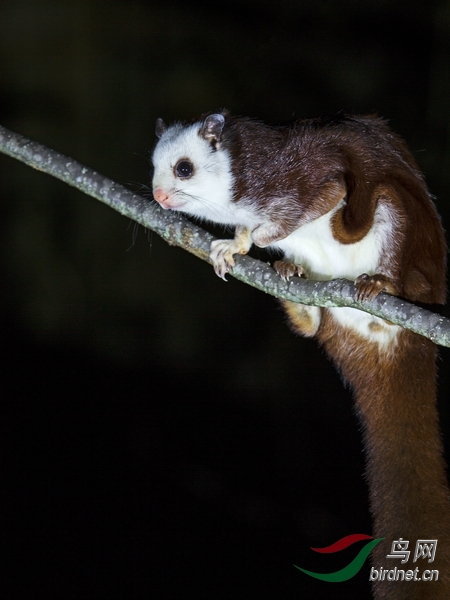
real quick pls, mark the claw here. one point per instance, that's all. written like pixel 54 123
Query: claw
pixel 221 270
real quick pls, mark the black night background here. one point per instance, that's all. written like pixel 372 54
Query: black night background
pixel 163 434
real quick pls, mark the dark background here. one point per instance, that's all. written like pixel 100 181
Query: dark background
pixel 163 433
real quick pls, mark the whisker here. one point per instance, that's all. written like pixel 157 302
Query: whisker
pixel 219 211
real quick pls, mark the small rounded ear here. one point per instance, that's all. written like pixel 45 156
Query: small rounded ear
pixel 211 130
pixel 160 128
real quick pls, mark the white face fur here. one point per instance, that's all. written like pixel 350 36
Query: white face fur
pixel 191 176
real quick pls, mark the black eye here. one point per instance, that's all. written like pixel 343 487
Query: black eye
pixel 184 169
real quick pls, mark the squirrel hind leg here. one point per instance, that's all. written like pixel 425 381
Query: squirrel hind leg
pixel 369 286
pixel 304 320
pixel 286 270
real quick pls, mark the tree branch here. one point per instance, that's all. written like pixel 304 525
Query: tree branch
pixel 177 230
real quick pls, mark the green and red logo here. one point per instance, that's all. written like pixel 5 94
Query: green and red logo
pixel 352 568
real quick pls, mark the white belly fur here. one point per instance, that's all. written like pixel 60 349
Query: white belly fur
pixel 314 248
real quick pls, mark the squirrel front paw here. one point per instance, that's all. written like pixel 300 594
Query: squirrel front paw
pixel 222 251
pixel 221 256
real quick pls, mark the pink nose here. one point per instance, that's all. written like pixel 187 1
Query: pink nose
pixel 160 195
